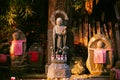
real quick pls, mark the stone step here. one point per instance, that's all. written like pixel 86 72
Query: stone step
pixel 73 77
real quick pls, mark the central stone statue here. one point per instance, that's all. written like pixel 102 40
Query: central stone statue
pixel 59 36
pixel 58 69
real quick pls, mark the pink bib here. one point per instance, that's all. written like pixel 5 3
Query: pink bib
pixel 16 47
pixel 99 56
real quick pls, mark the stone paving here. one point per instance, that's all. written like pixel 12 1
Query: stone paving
pixel 43 77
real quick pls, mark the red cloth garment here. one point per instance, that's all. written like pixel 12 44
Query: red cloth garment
pixel 16 47
pixel 99 56
pixel 117 73
pixel 34 56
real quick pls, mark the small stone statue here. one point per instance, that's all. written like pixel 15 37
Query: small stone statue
pixel 59 36
pixel 17 47
pixel 100 56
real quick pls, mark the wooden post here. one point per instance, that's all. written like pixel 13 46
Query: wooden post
pixel 98 27
pixel 51 9
pixel 117 40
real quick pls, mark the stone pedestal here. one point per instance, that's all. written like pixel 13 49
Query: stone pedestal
pixel 58 69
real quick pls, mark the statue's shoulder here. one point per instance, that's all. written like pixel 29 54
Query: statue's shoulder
pixel 55 27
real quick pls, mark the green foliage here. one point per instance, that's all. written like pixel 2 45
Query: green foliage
pixel 12 12
pixel 29 15
pixel 78 5
pixel 18 8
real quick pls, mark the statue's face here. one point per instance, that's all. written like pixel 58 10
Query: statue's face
pixel 15 36
pixel 59 21
pixel 100 44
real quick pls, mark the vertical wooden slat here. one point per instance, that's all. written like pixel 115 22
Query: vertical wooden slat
pixel 98 27
pixel 76 35
pixel 110 30
pixel 80 34
pixel 51 9
pixel 93 31
pixel 93 28
pixel 90 31
pixel 85 35
pixel 105 29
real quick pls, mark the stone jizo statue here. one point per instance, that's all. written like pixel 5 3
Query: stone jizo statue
pixel 59 35
pixel 17 47
pixel 100 57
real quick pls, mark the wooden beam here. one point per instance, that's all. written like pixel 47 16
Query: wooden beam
pixel 117 40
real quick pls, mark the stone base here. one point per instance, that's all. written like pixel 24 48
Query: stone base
pixel 58 69
pixel 46 68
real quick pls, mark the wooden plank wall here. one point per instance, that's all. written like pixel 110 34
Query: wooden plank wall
pixel 86 30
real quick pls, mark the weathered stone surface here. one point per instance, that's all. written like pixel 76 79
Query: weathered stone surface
pixel 58 70
pixel 99 68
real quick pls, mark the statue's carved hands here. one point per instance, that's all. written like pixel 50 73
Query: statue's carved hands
pixel 64 30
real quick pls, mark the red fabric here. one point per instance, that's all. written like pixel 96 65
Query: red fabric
pixel 34 56
pixel 99 56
